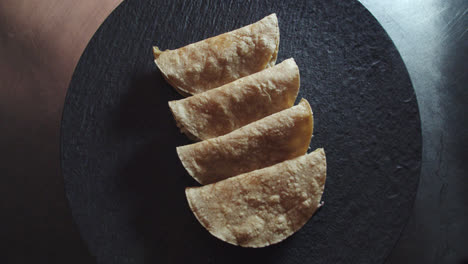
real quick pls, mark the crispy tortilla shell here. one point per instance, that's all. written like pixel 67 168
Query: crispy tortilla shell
pixel 262 207
pixel 218 60
pixel 238 103
pixel 275 138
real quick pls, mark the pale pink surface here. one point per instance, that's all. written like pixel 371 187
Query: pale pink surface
pixel 40 45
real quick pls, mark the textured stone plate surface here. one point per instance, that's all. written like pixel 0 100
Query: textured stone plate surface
pixel 125 183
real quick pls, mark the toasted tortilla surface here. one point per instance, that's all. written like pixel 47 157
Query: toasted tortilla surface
pixel 218 60
pixel 262 207
pixel 221 110
pixel 275 138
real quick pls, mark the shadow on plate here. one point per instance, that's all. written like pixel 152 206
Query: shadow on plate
pixel 167 230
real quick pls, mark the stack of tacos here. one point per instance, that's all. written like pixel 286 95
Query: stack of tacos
pixel 260 185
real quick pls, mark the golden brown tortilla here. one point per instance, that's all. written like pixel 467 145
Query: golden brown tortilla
pixel 215 61
pixel 262 207
pixel 275 138
pixel 221 110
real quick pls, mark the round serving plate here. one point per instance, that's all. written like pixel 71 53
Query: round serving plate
pixel 123 179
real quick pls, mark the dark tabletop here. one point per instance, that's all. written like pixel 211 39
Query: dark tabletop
pixel 431 37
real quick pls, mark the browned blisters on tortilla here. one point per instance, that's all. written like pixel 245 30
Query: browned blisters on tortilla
pixel 236 104
pixel 264 206
pixel 215 61
pixel 275 138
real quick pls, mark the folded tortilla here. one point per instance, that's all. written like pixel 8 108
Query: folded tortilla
pixel 275 138
pixel 218 60
pixel 238 103
pixel 262 207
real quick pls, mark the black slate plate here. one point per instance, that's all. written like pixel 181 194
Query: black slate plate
pixel 125 183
